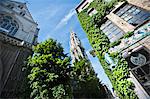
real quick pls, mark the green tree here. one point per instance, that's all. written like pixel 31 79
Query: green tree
pixel 85 81
pixel 49 76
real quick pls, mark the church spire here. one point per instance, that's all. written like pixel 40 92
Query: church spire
pixel 77 51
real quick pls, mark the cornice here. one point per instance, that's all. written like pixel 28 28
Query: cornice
pixel 14 41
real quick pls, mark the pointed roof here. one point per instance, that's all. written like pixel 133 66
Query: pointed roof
pixel 16 2
pixel 71 31
pixel 25 8
pixel 72 34
pixel 28 12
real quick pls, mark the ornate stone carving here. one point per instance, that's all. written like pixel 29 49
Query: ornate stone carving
pixel 139 59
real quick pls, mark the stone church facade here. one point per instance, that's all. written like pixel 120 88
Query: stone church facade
pixel 18 33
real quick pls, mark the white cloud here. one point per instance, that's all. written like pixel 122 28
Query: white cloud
pixel 65 20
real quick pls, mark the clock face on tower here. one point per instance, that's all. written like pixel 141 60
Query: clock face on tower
pixel 139 59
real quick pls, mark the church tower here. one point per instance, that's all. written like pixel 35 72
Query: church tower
pixel 18 33
pixel 77 51
pixel 85 71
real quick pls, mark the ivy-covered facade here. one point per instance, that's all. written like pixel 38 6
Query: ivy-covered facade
pixel 118 31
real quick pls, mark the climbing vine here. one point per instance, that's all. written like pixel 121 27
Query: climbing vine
pixel 100 43
pixel 117 42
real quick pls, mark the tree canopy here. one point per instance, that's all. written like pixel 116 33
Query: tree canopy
pixel 49 71
pixel 85 81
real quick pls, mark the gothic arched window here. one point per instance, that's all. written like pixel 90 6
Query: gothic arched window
pixel 8 24
pixel 22 13
pixel 11 6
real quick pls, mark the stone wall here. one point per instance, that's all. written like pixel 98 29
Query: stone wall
pixel 11 61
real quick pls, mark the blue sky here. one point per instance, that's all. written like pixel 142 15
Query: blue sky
pixel 55 19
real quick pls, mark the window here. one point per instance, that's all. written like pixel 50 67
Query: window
pixel 112 31
pixel 145 16
pixel 91 11
pixel 20 6
pixel 85 5
pixel 8 24
pixel 22 13
pixel 35 39
pixel 11 6
pixel 133 15
pixel 123 10
pixel 137 11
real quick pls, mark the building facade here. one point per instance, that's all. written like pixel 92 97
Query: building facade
pixel 130 16
pixel 18 33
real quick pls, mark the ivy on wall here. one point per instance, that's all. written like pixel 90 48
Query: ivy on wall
pixel 127 35
pixel 100 43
